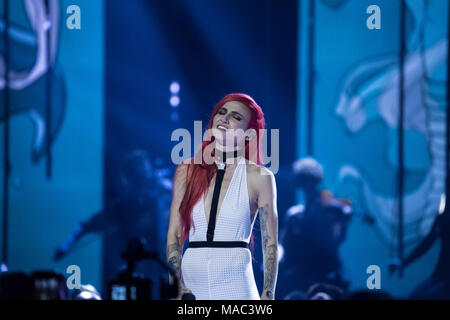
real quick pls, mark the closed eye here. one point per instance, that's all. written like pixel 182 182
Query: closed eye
pixel 237 116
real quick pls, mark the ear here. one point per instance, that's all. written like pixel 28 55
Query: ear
pixel 250 134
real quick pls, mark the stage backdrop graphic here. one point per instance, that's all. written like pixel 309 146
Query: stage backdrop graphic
pixel 42 210
pixel 355 125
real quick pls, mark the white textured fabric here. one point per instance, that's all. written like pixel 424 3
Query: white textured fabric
pixel 222 273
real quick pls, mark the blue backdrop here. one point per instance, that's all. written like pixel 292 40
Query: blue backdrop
pixel 111 94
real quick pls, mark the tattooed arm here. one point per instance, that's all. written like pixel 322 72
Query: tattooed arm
pixel 268 219
pixel 174 249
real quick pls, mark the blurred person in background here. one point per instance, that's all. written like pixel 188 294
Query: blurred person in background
pixel 135 213
pixel 313 233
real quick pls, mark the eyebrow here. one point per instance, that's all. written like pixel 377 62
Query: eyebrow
pixel 235 112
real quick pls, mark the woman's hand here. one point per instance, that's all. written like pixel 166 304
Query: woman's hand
pixel 183 290
pixel 267 295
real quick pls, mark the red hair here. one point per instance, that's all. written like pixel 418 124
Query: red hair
pixel 199 175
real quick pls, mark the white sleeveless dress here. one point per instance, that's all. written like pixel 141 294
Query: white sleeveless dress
pixel 222 273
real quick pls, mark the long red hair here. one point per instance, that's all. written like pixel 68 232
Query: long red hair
pixel 200 175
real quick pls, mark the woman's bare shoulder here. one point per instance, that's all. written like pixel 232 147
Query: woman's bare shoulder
pixel 258 173
pixel 181 174
pixel 181 169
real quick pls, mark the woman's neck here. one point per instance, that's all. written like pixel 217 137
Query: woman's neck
pixel 223 154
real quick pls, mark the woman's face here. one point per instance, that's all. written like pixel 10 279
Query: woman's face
pixel 230 123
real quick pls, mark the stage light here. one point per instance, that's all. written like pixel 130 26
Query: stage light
pixel 174 101
pixel 299 208
pixel 280 252
pixel 442 204
pixel 86 292
pixel 174 87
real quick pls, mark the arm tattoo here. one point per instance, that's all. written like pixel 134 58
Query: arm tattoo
pixel 173 253
pixel 270 251
pixel 174 264
pixel 174 247
pixel 270 269
pixel 263 213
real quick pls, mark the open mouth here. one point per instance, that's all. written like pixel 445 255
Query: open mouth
pixel 220 127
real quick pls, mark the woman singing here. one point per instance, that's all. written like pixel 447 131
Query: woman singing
pixel 215 203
